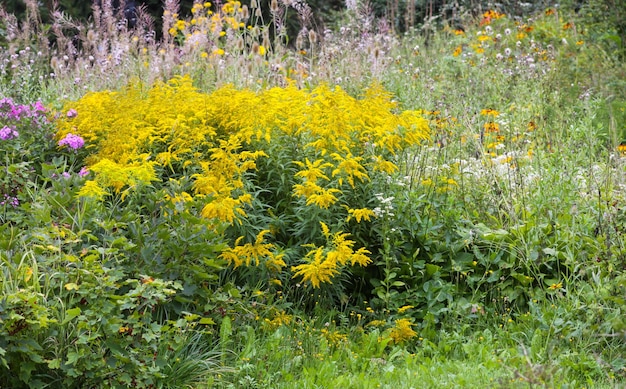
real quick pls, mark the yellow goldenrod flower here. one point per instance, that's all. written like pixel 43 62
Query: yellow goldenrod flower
pixel 318 270
pixel 402 331
pixel 93 190
pixel 405 308
pixel 307 189
pixel 225 209
pixel 360 214
pixel 313 171
pixel 324 198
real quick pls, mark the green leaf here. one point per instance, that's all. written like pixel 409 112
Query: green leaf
pixel 550 251
pixel 522 278
pixel 72 357
pixel 206 321
pixel 54 363
pixel 70 314
pixel 432 269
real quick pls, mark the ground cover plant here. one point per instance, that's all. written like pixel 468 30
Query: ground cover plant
pixel 353 206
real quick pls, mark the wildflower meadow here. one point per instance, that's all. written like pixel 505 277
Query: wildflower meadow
pixel 287 194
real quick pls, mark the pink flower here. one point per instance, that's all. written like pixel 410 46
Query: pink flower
pixel 7 133
pixel 73 141
pixel 72 113
pixel 83 171
pixel 38 107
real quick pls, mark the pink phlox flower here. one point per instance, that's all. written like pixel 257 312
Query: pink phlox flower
pixel 83 171
pixel 38 106
pixel 73 141
pixel 7 133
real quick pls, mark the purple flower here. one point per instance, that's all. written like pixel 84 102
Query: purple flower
pixel 66 175
pixel 19 111
pixel 7 133
pixel 83 171
pixel 38 106
pixel 6 102
pixel 10 200
pixel 74 142
pixel 72 113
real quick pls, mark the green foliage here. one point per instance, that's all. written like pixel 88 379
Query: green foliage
pixel 311 235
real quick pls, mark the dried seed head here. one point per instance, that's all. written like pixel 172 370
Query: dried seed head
pixel 300 42
pixel 376 52
pixel 245 12
pixel 253 4
pixel 274 6
pixel 255 47
pixel 258 60
pixel 91 36
pixel 312 37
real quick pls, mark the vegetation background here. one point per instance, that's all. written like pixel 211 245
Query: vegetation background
pixel 313 194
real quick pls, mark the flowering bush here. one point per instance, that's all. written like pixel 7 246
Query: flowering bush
pixel 25 143
pixel 283 167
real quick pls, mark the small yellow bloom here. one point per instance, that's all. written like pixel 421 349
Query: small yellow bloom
pixel 405 308
pixel 555 286
pixel 489 112
pixel 492 127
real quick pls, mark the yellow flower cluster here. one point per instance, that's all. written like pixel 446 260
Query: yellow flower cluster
pixel 402 331
pixel 323 263
pixel 254 252
pixel 214 140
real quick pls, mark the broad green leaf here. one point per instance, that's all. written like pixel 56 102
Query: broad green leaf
pixel 70 314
